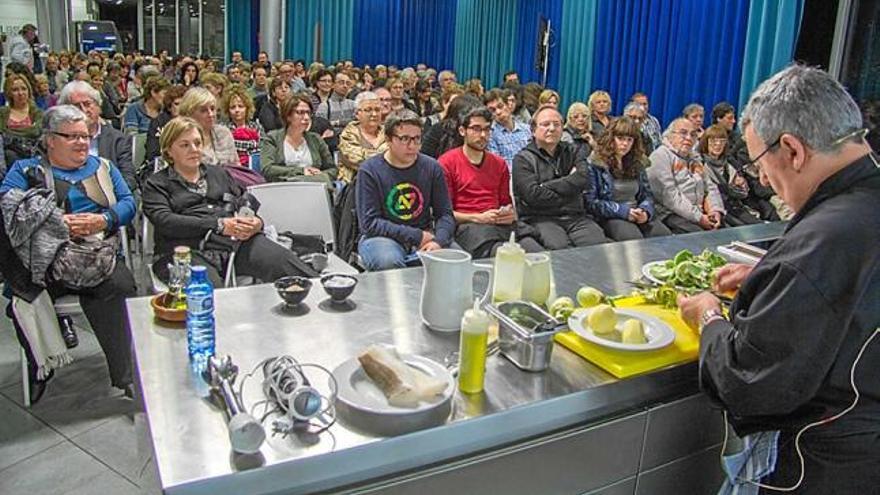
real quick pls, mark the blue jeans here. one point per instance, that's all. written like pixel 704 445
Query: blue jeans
pixel 382 253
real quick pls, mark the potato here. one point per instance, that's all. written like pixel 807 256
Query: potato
pixel 602 319
pixel 633 332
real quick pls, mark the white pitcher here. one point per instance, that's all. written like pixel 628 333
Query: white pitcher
pixel 447 288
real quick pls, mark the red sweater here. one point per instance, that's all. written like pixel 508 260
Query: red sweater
pixel 475 189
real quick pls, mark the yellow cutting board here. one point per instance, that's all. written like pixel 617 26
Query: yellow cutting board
pixel 623 364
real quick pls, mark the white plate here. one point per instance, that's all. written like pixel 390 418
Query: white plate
pixel 658 334
pixel 646 271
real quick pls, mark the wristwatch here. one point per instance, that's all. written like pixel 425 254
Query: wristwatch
pixel 709 316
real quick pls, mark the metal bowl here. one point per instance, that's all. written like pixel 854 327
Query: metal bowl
pixel 362 405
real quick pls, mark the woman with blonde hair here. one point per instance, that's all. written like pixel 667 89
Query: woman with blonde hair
pixel 549 97
pixel 218 147
pixel 215 83
pixel 20 119
pixel 600 112
pixel 577 128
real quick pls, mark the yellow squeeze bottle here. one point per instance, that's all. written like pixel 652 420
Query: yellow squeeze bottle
pixel 510 265
pixel 472 353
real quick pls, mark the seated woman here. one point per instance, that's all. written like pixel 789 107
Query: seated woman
pixel 238 109
pixel 620 198
pixel 218 147
pixel 20 119
pixel 577 128
pixel 88 209
pixel 140 115
pixel 191 204
pixel 270 110
pixel 732 186
pixel 600 112
pixel 549 97
pixel 361 138
pixel 293 153
pixel 44 98
pixel 170 103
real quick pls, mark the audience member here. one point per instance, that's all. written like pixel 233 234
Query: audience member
pixel 696 114
pixel 511 77
pixel 424 102
pixel 260 85
pixel 402 202
pixel 444 136
pixel 650 126
pixel 509 136
pixel 218 146
pixel 238 109
pixel 43 97
pixel 619 196
pixel 549 97
pixel 577 128
pixel 322 84
pixel 479 190
pixel 215 83
pixel 732 186
pixel 293 153
pixel 446 98
pixel 687 200
pixel 600 112
pixel 337 108
pixel 270 111
pixel 106 142
pixel 170 104
pixel 20 119
pixel 95 200
pixel 549 182
pixel 397 91
pixel 362 138
pixel 200 206
pixel 475 88
pixel 141 114
pixel 189 75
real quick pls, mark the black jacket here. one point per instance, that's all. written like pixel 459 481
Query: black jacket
pixel 798 322
pixel 181 217
pixel 547 185
pixel 116 147
pixel 152 146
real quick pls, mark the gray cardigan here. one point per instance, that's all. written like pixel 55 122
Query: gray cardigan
pixel 681 187
pixel 274 168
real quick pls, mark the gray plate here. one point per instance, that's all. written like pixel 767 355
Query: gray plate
pixel 361 404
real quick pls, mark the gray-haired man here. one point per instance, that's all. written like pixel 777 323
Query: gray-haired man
pixel 795 368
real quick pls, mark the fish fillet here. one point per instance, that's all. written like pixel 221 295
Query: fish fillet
pixel 403 385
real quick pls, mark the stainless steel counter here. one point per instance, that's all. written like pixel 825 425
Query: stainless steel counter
pixel 190 438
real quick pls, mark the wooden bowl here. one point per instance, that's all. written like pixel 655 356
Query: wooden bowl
pixel 163 312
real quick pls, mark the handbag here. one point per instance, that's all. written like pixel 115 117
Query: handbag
pixel 245 176
pixel 305 244
pixel 85 263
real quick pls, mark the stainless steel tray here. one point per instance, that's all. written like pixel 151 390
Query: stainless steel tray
pixel 362 405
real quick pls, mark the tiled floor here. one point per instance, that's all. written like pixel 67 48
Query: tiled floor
pixel 83 437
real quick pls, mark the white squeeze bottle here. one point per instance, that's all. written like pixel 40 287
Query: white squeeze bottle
pixel 510 265
pixel 472 350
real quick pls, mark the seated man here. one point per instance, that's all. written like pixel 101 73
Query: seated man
pixel 509 135
pixel 88 210
pixel 106 142
pixel 549 182
pixel 686 199
pixel 479 189
pixel 402 202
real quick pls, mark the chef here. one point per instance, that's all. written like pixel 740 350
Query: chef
pixel 794 365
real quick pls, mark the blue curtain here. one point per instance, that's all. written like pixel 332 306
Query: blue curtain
pixel 242 20
pixel 676 51
pixel 336 19
pixel 772 35
pixel 404 32
pixel 528 12
pixel 484 40
pixel 576 50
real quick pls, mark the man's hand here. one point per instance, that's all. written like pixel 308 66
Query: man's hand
pixel 311 171
pixel 426 238
pixel 487 217
pixel 716 217
pixel 692 308
pixel 506 216
pixel 706 223
pixel 430 246
pixel 731 276
pixel 327 134
pixel 85 224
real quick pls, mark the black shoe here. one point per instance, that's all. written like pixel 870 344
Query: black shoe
pixel 67 332
pixel 38 387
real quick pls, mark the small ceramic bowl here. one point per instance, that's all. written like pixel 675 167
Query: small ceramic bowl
pixel 160 303
pixel 293 290
pixel 338 286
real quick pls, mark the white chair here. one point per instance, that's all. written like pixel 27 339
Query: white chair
pixel 69 306
pixel 303 208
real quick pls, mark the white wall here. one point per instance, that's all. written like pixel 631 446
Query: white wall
pixel 15 14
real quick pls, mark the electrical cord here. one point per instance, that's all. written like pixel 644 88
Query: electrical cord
pixel 824 421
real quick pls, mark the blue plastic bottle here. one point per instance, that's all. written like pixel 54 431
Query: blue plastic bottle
pixel 199 318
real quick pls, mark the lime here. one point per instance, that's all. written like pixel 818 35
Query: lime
pixel 588 297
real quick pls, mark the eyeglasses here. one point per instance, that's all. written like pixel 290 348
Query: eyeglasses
pixel 684 133
pixel 73 137
pixel 386 99
pixel 479 129
pixel 408 140
pixel 82 105
pixel 371 110
pixel 328 81
pixel 754 161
